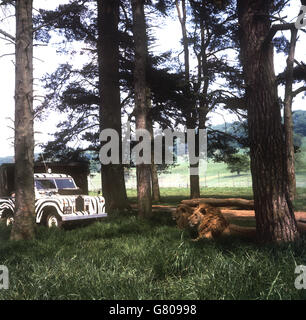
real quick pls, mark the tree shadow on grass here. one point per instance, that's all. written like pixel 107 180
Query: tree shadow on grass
pixel 236 176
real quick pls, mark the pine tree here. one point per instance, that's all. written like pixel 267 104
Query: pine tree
pixel 274 214
pixel 24 216
pixel 141 104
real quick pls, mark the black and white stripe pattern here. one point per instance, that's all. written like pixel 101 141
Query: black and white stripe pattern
pixel 7 204
pixel 96 206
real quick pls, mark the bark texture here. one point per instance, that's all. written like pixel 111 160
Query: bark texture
pixel 189 107
pixel 154 172
pixel 24 225
pixel 113 183
pixel 288 122
pixel 274 214
pixel 141 104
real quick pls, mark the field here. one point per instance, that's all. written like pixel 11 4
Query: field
pixel 213 175
pixel 124 257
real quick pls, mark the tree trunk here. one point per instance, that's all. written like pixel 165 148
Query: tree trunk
pixel 155 184
pixel 190 117
pixel 154 173
pixel 288 122
pixel 274 214
pixel 113 183
pixel 141 104
pixel 24 225
pixel 194 181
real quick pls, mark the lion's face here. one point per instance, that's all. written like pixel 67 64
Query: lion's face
pixel 180 210
pixel 195 218
pixel 203 208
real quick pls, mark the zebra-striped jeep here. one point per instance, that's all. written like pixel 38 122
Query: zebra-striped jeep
pixel 57 200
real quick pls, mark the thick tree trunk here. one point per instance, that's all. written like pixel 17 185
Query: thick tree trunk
pixel 288 122
pixel 23 228
pixel 275 219
pixel 141 105
pixel 113 184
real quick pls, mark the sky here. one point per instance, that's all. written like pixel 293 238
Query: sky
pixel 46 60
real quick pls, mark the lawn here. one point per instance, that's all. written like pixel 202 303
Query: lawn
pixel 124 257
pixel 172 196
pixel 212 175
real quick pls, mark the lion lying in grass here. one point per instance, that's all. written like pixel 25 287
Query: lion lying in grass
pixel 209 222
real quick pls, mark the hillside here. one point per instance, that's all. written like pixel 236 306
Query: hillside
pixel 298 117
pixel 8 159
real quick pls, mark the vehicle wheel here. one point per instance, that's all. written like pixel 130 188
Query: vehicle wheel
pixel 53 220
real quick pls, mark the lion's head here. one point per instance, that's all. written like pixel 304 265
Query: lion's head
pixel 203 208
pixel 181 209
pixel 195 219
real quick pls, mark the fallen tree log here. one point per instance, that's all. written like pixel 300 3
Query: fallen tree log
pixel 230 202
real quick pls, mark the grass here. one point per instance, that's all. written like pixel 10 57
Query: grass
pixel 172 196
pixel 123 257
pixel 215 175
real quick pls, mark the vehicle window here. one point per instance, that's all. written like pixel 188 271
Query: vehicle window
pixel 44 184
pixel 65 183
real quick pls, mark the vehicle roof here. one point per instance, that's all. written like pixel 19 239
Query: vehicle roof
pixel 51 175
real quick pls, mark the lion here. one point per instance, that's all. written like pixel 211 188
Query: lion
pixel 181 215
pixel 209 222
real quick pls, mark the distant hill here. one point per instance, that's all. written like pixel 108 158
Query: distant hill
pixel 9 159
pixel 298 117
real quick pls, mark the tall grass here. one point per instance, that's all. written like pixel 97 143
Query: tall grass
pixel 124 257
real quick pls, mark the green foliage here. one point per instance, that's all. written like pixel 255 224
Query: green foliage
pixel 299 122
pixel 74 92
pixel 300 158
pixel 238 163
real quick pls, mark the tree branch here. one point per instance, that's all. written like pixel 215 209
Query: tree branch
pixel 7 35
pixel 275 28
pixel 297 91
pixel 7 54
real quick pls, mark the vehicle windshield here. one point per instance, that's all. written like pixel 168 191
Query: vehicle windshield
pixel 41 184
pixel 65 183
